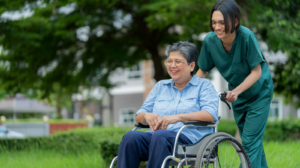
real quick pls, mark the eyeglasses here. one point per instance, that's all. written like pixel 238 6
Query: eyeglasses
pixel 178 62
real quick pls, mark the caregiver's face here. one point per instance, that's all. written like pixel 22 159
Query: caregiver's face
pixel 218 24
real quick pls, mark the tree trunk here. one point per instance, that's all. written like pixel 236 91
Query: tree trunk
pixel 159 73
pixel 58 107
pixel 149 38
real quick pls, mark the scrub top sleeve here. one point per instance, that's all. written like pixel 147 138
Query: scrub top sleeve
pixel 254 56
pixel 148 104
pixel 205 61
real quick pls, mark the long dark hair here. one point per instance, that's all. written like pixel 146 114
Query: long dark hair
pixel 230 10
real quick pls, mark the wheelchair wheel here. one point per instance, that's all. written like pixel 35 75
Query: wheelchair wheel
pixel 221 150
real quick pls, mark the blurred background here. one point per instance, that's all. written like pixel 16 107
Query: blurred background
pixel 84 63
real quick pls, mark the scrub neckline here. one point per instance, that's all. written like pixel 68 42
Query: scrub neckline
pixel 232 48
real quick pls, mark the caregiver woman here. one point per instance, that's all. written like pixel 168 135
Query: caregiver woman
pixel 234 51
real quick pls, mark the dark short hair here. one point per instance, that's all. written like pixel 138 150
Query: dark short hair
pixel 229 9
pixel 187 49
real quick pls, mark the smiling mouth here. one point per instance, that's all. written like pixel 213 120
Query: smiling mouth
pixel 219 32
pixel 174 72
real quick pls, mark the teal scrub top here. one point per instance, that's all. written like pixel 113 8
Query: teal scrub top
pixel 236 65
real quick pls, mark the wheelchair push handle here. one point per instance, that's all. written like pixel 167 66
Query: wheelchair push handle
pixel 222 96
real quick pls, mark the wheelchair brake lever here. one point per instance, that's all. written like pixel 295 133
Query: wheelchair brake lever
pixel 222 95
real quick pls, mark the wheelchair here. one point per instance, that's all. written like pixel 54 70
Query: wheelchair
pixel 215 150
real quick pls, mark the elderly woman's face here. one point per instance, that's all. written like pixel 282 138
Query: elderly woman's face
pixel 178 67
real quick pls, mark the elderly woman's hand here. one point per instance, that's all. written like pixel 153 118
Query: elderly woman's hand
pixel 166 120
pixel 152 120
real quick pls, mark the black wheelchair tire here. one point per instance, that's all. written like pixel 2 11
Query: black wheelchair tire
pixel 244 159
pixel 211 143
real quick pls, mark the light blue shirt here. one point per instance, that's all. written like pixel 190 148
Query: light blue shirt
pixel 165 99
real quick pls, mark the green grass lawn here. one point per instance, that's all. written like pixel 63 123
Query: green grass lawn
pixel 282 154
pixel 49 159
pixel 279 154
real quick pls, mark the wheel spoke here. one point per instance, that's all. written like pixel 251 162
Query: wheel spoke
pixel 223 149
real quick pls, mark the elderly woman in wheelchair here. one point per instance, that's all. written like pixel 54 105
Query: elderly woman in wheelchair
pixel 169 104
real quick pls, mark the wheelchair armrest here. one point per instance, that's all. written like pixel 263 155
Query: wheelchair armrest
pixel 139 125
pixel 199 123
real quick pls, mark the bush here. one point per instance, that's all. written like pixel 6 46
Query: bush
pixel 109 150
pixel 283 130
pixel 74 141
pixel 102 140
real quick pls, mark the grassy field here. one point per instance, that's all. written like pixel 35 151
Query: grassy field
pixel 282 154
pixel 49 159
pixel 279 154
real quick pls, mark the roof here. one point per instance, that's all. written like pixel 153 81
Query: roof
pixel 22 104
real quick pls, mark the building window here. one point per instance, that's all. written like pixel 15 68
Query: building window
pixel 135 72
pixel 127 116
pixel 275 110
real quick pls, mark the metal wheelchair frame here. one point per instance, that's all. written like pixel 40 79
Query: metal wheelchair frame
pixel 188 154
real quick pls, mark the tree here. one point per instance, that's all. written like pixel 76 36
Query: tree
pixel 66 44
pixel 278 24
pixel 46 50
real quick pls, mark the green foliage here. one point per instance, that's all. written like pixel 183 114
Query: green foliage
pixel 282 130
pixel 52 57
pixel 278 24
pixel 46 47
pixel 73 142
pixel 66 142
pixel 109 150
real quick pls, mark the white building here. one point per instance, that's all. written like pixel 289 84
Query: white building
pixel 133 85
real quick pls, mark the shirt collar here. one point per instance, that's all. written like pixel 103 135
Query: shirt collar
pixel 193 81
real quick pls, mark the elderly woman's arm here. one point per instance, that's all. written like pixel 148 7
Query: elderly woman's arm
pixel 202 115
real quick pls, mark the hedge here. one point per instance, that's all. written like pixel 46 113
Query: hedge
pixel 106 140
pixel 83 140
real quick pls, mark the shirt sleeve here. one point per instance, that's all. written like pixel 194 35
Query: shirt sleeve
pixel 254 56
pixel 209 99
pixel 148 104
pixel 205 61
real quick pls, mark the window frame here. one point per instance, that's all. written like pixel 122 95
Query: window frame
pixel 121 116
pixel 279 106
